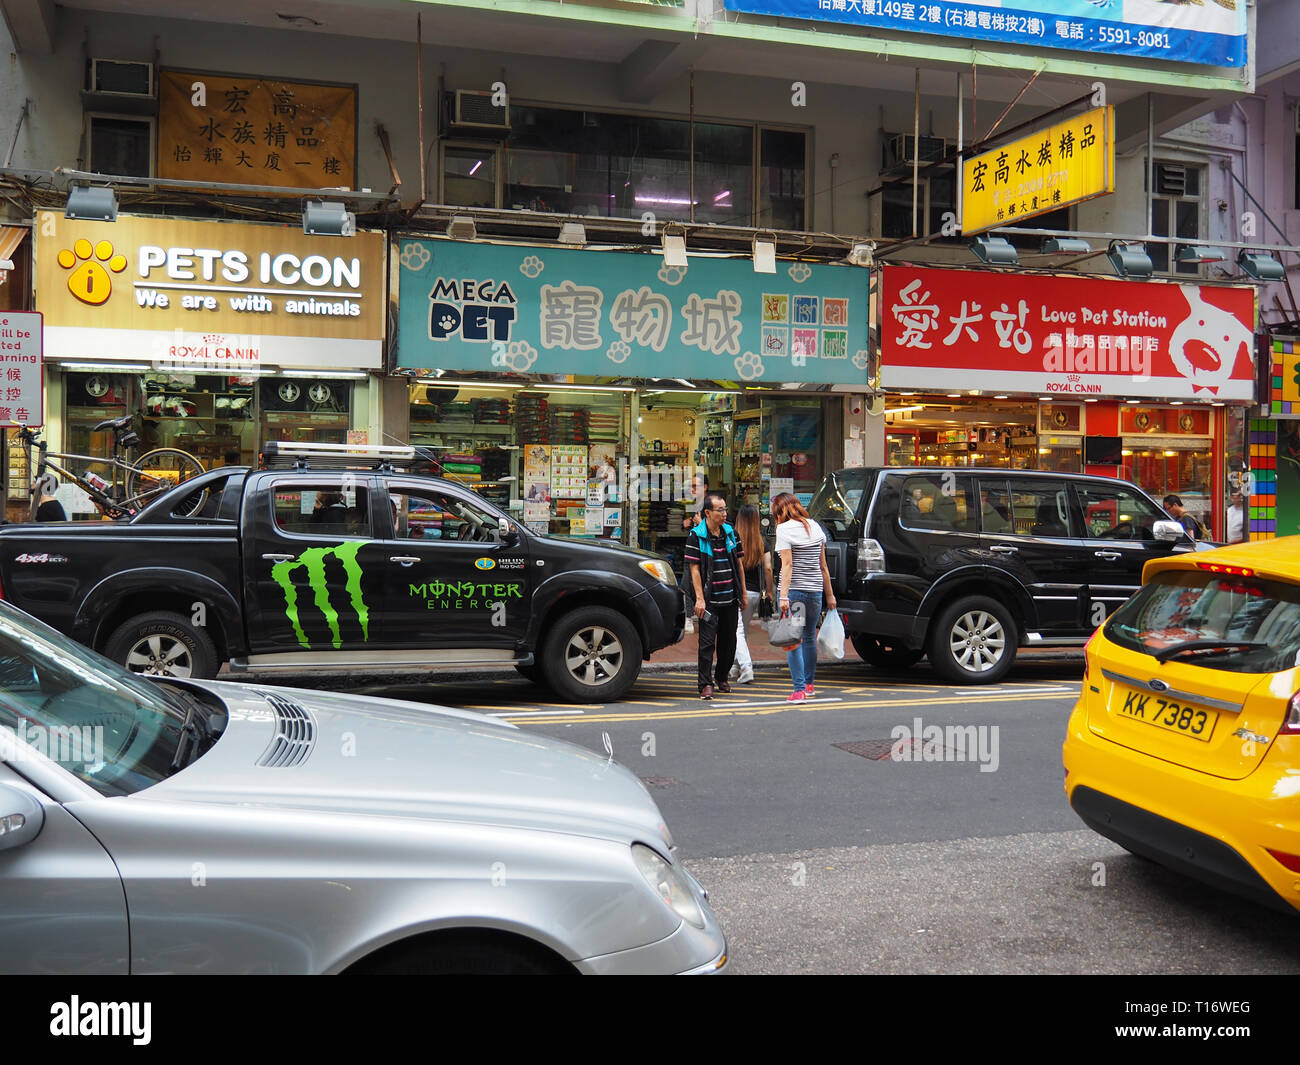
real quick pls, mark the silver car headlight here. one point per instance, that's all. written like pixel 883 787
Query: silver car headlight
pixel 660 571
pixel 668 884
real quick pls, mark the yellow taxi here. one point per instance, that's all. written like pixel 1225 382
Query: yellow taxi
pixel 1184 746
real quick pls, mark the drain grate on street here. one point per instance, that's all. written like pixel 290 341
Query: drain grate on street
pixel 660 782
pixel 908 750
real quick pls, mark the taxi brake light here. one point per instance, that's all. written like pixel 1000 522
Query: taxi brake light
pixel 1291 726
pixel 1219 567
pixel 1087 647
pixel 1291 861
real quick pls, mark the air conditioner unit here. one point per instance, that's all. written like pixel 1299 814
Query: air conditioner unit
pixel 475 109
pixel 120 77
pixel 1171 179
pixel 900 149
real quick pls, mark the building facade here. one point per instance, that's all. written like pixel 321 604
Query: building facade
pixel 572 372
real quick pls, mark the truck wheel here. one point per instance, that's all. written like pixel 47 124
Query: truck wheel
pixel 593 655
pixel 162 644
pixel 884 654
pixel 973 641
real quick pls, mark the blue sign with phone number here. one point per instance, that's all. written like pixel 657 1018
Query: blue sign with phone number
pixel 512 309
pixel 1212 33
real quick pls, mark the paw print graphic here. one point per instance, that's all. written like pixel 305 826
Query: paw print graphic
pixel 749 366
pixel 415 256
pixel 618 352
pixel 89 281
pixel 447 323
pixel 800 272
pixel 862 358
pixel 518 355
pixel 671 275
pixel 531 266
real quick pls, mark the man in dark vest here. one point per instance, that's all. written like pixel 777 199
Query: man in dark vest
pixel 712 557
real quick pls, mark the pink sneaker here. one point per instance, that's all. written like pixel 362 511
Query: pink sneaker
pixel 796 697
pixel 809 691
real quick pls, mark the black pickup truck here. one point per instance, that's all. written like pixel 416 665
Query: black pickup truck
pixel 304 569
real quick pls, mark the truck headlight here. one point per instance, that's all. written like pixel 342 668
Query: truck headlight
pixel 668 884
pixel 660 571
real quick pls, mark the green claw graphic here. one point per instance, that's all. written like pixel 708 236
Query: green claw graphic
pixel 313 560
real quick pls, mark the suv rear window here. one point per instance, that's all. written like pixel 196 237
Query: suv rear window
pixel 1186 607
pixel 836 503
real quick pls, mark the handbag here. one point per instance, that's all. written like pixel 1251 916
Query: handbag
pixel 786 631
pixel 765 607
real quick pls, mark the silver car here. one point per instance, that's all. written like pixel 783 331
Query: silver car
pixel 186 827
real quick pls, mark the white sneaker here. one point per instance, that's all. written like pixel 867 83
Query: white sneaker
pixel 690 625
pixel 735 672
pixel 745 676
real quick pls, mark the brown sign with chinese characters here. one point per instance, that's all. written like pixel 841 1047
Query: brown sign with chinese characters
pixel 256 131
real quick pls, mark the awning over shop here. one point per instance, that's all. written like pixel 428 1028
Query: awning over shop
pixel 10 238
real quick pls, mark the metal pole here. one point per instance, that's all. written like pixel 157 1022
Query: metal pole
pixel 691 163
pixel 1007 110
pixel 632 485
pixel 419 89
pixel 1151 164
pixel 17 129
pixel 961 188
pixel 916 142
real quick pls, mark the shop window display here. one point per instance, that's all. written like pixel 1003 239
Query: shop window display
pixel 1168 450
pixel 550 456
pixel 306 409
pixel 208 415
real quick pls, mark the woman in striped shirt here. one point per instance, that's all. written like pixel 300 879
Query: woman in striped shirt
pixel 801 544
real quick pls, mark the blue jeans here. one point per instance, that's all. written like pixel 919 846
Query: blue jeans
pixel 803 659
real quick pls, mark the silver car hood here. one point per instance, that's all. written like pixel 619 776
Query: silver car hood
pixel 388 758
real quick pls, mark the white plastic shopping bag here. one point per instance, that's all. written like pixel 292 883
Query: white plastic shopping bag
pixel 830 638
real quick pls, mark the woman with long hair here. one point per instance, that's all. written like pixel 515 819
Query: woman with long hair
pixel 757 561
pixel 805 585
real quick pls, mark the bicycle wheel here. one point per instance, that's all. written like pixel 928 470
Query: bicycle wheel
pixel 161 470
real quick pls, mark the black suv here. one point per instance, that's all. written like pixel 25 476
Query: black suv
pixel 967 565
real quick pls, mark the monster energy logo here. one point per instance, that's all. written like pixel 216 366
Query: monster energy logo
pixel 313 561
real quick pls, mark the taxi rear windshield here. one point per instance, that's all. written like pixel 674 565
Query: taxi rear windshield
pixel 1233 623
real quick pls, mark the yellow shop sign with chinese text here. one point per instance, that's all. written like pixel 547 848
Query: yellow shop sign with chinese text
pixel 1052 168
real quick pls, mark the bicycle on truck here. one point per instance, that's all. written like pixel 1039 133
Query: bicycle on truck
pixel 134 483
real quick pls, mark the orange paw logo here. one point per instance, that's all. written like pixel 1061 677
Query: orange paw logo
pixel 89 281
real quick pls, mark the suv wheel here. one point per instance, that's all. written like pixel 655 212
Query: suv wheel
pixel 531 673
pixel 593 655
pixel 884 654
pixel 973 641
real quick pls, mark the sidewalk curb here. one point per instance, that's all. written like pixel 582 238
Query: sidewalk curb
pixel 406 677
